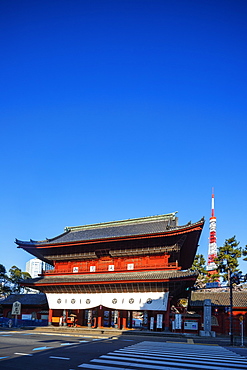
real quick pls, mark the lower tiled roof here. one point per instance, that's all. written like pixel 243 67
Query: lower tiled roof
pixel 130 276
pixel 26 299
pixel 219 298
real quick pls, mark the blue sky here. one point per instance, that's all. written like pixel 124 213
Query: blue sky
pixel 120 109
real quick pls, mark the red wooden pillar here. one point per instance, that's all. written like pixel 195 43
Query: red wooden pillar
pixel 100 317
pixel 124 322
pixel 67 315
pixel 119 320
pixel 131 319
pixel 50 317
pixel 167 315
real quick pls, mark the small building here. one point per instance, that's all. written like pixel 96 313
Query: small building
pixel 110 273
pixel 34 307
pixel 220 318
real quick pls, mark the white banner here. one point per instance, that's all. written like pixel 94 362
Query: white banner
pixel 152 301
pixel 178 321
pixel 159 321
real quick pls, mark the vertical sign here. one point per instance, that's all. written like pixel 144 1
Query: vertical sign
pixel 16 308
pixel 178 321
pixel 151 323
pixel 89 318
pixel 159 321
pixel 207 315
pixel 145 318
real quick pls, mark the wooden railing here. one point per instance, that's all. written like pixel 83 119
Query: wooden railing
pixel 105 269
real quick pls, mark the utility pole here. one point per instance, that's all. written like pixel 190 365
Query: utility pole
pixel 231 306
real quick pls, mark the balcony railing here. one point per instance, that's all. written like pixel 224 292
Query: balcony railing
pixel 105 269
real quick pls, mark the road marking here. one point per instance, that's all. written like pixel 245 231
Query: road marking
pixel 190 341
pixel 168 354
pixel 160 359
pixel 163 356
pixel 60 358
pixel 27 333
pixel 23 354
pixel 84 341
pixel 39 348
pixel 207 344
pixel 3 332
pixel 198 344
pixel 67 344
pixel 100 367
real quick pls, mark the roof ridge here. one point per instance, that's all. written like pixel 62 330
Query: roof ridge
pixel 164 217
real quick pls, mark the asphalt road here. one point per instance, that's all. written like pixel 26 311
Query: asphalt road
pixel 28 350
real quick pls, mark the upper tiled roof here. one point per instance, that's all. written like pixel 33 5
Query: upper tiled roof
pixel 137 226
pixel 116 229
pixel 26 299
pixel 219 298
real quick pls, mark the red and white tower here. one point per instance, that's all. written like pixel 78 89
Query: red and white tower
pixel 212 247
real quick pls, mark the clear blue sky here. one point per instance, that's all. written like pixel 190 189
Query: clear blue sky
pixel 121 109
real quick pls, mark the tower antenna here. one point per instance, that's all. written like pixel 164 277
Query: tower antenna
pixel 212 246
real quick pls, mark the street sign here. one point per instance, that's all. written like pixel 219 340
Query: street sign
pixel 16 308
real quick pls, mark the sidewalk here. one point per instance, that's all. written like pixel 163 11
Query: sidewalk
pixel 223 340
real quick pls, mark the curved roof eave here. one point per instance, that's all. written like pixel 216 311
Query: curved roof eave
pixel 65 239
pixel 112 277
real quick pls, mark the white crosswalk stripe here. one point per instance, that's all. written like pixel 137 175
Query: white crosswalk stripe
pixel 169 356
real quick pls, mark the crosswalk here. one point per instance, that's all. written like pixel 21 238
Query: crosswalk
pixel 169 356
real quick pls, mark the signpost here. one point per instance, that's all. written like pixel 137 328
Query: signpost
pixel 16 310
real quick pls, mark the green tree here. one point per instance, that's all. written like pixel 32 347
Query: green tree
pixel 2 271
pixel 4 287
pixel 16 277
pixel 244 253
pixel 199 266
pixel 227 258
pixel 204 276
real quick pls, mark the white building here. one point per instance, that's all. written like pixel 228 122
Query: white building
pixel 35 266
